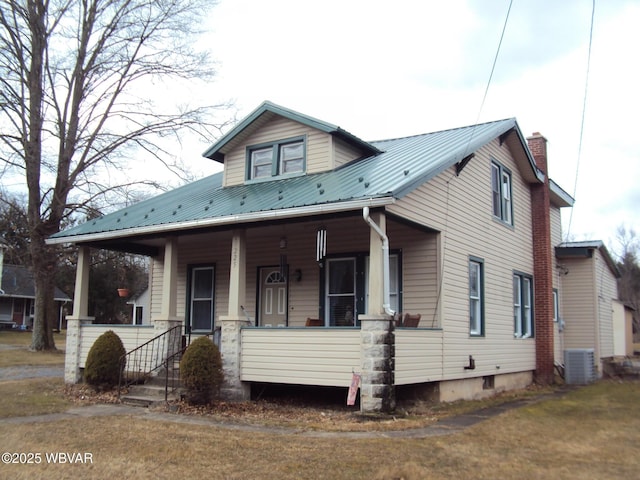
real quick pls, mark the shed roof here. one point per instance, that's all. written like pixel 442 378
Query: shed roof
pixel 585 249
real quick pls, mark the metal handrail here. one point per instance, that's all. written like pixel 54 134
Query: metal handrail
pixel 139 363
pixel 172 375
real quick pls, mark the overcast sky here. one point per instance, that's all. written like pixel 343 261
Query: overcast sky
pixel 382 69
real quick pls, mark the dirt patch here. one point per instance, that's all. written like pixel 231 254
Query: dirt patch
pixel 301 412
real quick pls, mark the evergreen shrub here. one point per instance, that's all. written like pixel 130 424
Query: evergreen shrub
pixel 103 367
pixel 201 371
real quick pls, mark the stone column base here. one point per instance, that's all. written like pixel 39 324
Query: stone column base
pixel 73 348
pixel 377 346
pixel 233 389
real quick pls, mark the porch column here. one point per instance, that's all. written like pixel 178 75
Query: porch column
pixel 78 318
pixel 377 340
pixel 232 323
pixel 168 306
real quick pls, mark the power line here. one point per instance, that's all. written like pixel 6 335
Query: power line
pixel 584 108
pixel 493 67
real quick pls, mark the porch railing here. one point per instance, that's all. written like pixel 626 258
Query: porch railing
pixel 139 363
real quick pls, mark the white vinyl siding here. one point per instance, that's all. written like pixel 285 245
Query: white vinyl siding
pixel 132 336
pixel 323 151
pixel 302 356
pixel 461 208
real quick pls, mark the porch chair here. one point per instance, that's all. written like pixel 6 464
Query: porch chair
pixel 313 322
pixel 411 321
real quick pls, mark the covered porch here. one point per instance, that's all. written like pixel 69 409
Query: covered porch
pixel 259 284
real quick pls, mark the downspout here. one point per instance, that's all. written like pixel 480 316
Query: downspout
pixel 386 305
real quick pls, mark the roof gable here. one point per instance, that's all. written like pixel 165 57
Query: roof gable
pixel 265 112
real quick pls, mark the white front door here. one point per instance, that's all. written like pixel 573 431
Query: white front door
pixel 273 298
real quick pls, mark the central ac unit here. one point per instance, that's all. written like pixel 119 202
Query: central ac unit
pixel 579 366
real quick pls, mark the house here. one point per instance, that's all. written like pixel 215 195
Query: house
pixel 140 308
pixel 591 316
pixel 307 252
pixel 17 297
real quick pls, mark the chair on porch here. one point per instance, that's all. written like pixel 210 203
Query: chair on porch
pixel 411 321
pixel 314 322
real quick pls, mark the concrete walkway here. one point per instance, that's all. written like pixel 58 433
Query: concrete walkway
pixel 23 372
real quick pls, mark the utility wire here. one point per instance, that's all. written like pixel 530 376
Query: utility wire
pixel 584 108
pixel 493 67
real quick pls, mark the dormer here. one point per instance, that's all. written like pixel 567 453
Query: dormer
pixel 274 143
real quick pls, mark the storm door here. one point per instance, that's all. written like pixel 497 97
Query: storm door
pixel 272 298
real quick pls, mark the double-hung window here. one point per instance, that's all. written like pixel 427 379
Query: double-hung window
pixel 201 298
pixel 476 297
pixel 501 191
pixel 522 306
pixel 284 157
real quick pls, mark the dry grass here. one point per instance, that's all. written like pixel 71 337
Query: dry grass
pixel 591 433
pixel 19 354
pixel 35 396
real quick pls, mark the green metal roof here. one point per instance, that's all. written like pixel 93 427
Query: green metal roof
pixel 402 165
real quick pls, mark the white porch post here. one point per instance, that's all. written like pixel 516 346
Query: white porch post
pixel 79 317
pixel 377 340
pixel 231 324
pixel 168 307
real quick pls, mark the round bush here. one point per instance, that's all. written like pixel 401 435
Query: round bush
pixel 102 369
pixel 201 371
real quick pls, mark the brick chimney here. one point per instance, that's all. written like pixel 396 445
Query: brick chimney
pixel 543 265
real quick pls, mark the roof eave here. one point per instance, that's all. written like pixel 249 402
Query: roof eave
pixel 252 217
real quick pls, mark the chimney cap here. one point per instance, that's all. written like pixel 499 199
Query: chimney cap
pixel 536 135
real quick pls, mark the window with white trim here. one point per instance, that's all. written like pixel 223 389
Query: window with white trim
pixel 522 306
pixel 476 297
pixel 501 193
pixel 201 298
pixel 283 157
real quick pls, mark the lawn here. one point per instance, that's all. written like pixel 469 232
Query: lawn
pixel 589 433
pixel 14 350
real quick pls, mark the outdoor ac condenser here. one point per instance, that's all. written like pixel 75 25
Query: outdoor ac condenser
pixel 579 366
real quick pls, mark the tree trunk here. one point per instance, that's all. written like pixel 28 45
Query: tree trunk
pixel 44 267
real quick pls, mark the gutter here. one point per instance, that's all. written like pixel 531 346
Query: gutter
pixel 222 221
pixel 386 298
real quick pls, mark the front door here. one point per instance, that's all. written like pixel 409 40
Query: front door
pixel 273 298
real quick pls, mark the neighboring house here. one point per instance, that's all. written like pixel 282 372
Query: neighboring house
pixel 140 308
pixel 591 317
pixel 17 297
pixel 310 225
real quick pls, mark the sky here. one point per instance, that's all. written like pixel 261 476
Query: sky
pixel 382 69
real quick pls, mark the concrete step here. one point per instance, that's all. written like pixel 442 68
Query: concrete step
pixel 149 393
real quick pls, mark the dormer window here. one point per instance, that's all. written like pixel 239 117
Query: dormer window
pixel 284 157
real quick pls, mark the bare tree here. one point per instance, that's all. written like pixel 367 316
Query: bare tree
pixel 75 77
pixel 629 266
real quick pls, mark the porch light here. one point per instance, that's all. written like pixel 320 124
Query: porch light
pixel 283 242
